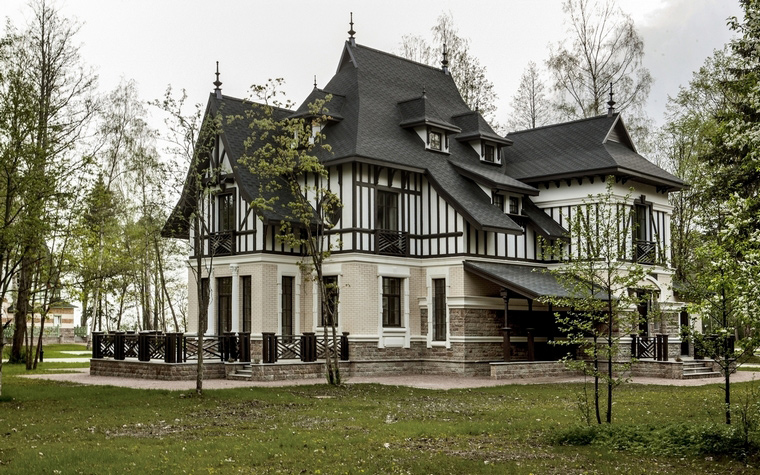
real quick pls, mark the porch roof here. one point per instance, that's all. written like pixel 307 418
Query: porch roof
pixel 531 282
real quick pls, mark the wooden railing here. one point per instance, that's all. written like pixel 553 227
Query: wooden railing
pixel 222 243
pixel 392 243
pixel 648 347
pixel 307 347
pixel 646 252
pixel 171 347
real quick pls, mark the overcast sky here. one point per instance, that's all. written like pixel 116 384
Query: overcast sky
pixel 161 42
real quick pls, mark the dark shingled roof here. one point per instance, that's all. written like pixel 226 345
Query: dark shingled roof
pixel 474 126
pixel 529 281
pixel 596 146
pixel 544 223
pixel 421 111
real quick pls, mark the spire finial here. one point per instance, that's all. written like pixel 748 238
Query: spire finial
pixel 445 62
pixel 351 32
pixel 217 83
pixel 424 92
pixel 315 81
pixel 611 104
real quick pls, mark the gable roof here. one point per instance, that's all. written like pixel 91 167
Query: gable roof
pixel 595 146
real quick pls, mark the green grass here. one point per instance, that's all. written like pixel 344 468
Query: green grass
pixel 56 351
pixel 47 427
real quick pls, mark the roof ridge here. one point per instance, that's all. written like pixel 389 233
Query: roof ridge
pixel 247 101
pixel 560 124
pixel 417 63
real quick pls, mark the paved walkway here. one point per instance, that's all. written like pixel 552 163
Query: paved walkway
pixel 82 376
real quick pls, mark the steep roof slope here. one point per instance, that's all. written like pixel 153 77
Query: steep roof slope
pixel 595 146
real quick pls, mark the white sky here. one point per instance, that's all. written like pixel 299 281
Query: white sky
pixel 161 42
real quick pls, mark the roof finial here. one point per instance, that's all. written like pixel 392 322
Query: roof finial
pixel 217 83
pixel 315 81
pixel 424 92
pixel 351 32
pixel 445 62
pixel 610 104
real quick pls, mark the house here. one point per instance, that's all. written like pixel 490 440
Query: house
pixel 439 230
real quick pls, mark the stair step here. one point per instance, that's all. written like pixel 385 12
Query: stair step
pixel 711 374
pixel 239 377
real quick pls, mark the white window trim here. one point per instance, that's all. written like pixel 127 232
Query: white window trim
pixel 327 271
pixel 438 274
pixel 289 271
pixel 393 332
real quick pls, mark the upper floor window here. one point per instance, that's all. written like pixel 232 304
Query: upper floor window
pixel 498 201
pixel 387 211
pixel 514 205
pixel 489 153
pixel 226 212
pixel 435 142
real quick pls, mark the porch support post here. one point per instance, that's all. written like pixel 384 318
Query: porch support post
pixel 531 348
pixel 234 268
pixel 506 344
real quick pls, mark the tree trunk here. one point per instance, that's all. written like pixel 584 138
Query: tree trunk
pixel 22 310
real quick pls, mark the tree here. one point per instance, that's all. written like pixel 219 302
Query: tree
pixel 468 74
pixel 603 49
pixel 58 94
pixel 284 154
pixel 531 107
pixel 597 272
pixel 191 140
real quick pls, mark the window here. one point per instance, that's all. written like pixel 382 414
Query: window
pixel 434 140
pixel 514 205
pixel 387 211
pixel 226 212
pixel 246 283
pixel 640 216
pixel 489 153
pixel 331 288
pixel 205 291
pixel 439 309
pixel 224 304
pixel 498 200
pixel 287 305
pixel 391 302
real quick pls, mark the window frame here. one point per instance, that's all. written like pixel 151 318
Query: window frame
pixel 383 210
pixel 223 302
pixel 392 302
pixel 440 320
pixel 247 307
pixel 333 295
pixel 287 305
pixel 226 221
pixel 488 147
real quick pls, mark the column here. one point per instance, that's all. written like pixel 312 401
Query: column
pixel 234 268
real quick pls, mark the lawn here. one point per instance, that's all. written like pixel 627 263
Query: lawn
pixel 51 427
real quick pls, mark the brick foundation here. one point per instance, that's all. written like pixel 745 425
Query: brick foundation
pixel 155 369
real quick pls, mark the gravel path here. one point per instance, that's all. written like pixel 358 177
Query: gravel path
pixel 82 376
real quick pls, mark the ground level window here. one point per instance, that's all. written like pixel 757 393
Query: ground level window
pixel 224 307
pixel 439 309
pixel 331 309
pixel 287 305
pixel 246 283
pixel 391 302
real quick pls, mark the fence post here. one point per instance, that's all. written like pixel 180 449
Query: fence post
pixel 143 346
pixel 244 347
pixel 230 346
pixel 118 345
pixel 310 347
pixel 634 346
pixel 344 347
pixel 97 342
pixel 269 348
pixel 170 347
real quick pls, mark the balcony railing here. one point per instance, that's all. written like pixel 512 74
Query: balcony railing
pixel 391 243
pixel 646 252
pixel 222 243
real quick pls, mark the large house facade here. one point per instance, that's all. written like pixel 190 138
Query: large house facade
pixel 437 246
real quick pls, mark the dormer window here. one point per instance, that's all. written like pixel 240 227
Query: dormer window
pixel 434 139
pixel 514 205
pixel 498 201
pixel 489 153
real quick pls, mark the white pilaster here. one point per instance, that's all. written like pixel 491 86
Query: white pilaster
pixel 234 268
pixel 211 330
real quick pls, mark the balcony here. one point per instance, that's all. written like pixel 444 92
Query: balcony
pixel 391 243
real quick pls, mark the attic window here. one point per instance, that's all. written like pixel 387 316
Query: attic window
pixel 498 200
pixel 514 205
pixel 489 153
pixel 434 139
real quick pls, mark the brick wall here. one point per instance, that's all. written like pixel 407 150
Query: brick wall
pixel 155 369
